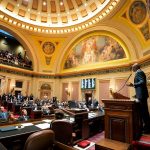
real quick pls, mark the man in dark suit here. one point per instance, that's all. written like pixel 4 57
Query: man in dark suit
pixel 140 85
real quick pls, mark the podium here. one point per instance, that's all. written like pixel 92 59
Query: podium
pixel 122 120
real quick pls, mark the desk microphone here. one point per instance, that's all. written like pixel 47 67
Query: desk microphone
pixel 125 83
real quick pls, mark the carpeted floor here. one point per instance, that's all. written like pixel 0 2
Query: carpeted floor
pixel 143 143
pixel 95 139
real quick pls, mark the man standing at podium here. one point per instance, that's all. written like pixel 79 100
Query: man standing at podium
pixel 140 85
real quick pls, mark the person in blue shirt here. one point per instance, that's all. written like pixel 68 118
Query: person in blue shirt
pixel 3 113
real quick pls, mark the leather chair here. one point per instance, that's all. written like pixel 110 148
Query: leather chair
pixel 2 147
pixel 63 131
pixel 44 140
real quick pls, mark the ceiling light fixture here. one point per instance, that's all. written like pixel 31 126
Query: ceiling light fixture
pixel 44 3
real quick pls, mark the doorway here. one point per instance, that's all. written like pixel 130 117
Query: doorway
pixel 17 92
pixel 88 99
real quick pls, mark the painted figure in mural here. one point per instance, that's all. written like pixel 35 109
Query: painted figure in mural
pixel 89 49
pixel 72 61
pixel 111 51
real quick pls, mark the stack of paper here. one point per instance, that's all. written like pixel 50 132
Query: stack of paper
pixel 47 120
pixel 43 125
pixel 27 124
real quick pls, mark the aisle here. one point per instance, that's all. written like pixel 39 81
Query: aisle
pixel 96 138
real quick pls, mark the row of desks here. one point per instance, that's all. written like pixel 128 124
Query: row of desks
pixel 19 135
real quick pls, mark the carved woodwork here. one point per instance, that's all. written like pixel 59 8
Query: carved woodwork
pixel 122 121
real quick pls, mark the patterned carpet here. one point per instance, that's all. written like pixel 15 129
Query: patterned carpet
pixel 95 139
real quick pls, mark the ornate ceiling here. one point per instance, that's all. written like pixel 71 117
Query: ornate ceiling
pixel 56 13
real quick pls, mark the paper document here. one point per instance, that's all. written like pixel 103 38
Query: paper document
pixel 47 120
pixel 43 125
pixel 27 124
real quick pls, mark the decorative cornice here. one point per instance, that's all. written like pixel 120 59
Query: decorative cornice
pixel 115 69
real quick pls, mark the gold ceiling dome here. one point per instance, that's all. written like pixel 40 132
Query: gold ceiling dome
pixel 62 16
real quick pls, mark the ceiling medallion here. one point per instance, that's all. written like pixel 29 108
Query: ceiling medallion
pixel 137 12
pixel 48 48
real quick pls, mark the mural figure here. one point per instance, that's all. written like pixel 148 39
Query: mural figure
pixel 94 49
pixel 89 50
pixel 137 12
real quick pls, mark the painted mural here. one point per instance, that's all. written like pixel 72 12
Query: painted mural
pixel 93 50
pixel 137 12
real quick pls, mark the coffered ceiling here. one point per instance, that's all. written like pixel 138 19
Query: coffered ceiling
pixel 57 13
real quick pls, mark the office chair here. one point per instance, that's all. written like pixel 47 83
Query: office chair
pixel 44 140
pixel 63 131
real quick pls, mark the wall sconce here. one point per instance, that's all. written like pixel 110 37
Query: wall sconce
pixel 67 91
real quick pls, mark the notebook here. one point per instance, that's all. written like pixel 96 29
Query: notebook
pixel 8 128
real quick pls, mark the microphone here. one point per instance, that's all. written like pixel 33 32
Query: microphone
pixel 125 83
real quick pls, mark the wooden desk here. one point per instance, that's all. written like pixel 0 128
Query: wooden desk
pixel 16 108
pixel 108 144
pixel 9 138
pixel 16 138
pixel 36 114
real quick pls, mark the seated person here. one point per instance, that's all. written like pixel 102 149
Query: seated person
pixel 45 109
pixel 12 117
pixel 25 103
pixel 34 106
pixel 24 116
pixel 3 113
pixel 59 114
pixel 95 103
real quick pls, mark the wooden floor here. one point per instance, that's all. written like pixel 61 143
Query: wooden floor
pixel 108 144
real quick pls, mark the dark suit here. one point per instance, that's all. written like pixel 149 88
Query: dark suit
pixel 141 90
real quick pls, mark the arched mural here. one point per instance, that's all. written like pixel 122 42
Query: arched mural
pixel 94 49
